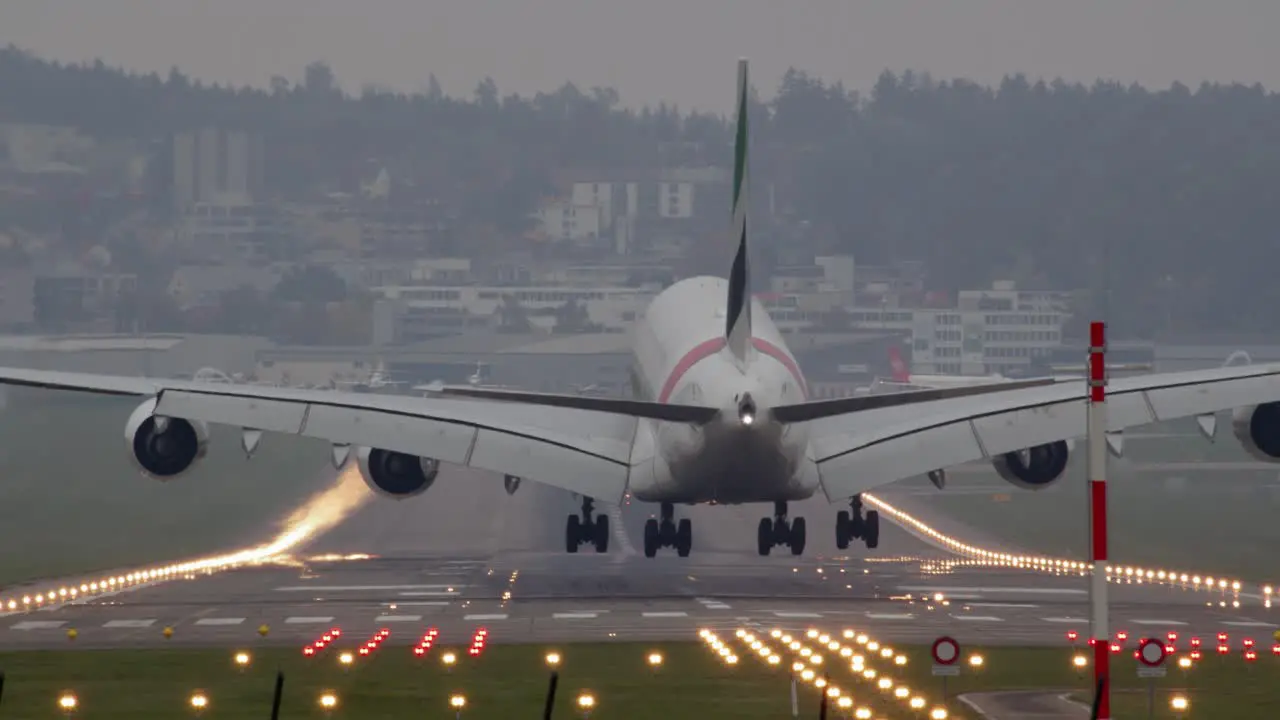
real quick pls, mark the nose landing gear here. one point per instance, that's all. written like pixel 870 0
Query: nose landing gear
pixel 581 530
pixel 851 524
pixel 778 531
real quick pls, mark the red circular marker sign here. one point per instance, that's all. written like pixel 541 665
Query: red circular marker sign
pixel 1152 653
pixel 945 651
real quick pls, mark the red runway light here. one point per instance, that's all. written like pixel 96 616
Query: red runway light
pixel 1071 635
pixel 1173 637
pixel 1275 649
pixel 1223 649
pixel 419 651
pixel 1195 654
pixel 1122 636
pixel 336 632
pixel 1195 642
pixel 1250 655
pixel 364 651
pixel 1115 648
pixel 308 651
pixel 1248 642
pixel 1222 637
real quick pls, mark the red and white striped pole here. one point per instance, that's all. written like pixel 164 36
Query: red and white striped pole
pixel 1097 442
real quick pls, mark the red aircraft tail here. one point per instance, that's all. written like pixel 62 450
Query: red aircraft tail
pixel 901 373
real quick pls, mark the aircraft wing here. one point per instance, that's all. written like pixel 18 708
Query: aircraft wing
pixel 868 447
pixel 586 451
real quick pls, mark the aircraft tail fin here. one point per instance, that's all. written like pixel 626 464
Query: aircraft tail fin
pixel 738 309
pixel 901 374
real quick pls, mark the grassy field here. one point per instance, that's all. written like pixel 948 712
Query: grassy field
pixel 71 501
pixel 1198 520
pixel 510 681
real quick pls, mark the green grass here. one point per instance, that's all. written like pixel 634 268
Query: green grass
pixel 510 681
pixel 72 502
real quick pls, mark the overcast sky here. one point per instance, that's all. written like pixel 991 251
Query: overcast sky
pixel 682 51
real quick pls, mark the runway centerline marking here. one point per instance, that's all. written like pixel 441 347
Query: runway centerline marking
pixel 397 618
pixel 797 614
pixel 1157 622
pixel 1002 605
pixel 422 603
pixel 978 618
pixel 890 616
pixel 1065 620
pixel 429 593
pixel 307 619
pixel 488 616
pixel 661 614
pixel 128 623
pixel 574 616
pixel 219 621
pixel 1247 623
pixel 37 625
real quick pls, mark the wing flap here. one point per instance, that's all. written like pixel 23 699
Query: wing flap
pixel 668 412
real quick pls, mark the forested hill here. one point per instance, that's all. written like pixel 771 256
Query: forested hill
pixel 1171 194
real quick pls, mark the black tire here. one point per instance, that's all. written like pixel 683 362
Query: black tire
pixel 842 530
pixel 684 538
pixel 572 532
pixel 764 537
pixel 650 537
pixel 871 535
pixel 601 531
pixel 797 536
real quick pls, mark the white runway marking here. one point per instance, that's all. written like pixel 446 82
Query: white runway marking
pixel 1247 623
pixel 492 616
pixel 985 590
pixel 302 620
pixel 796 614
pixel 1065 620
pixel 340 588
pixel 672 614
pixel 219 621
pixel 37 625
pixel 430 593
pixel 891 616
pixel 574 616
pixel 1002 605
pixel 128 623
pixel 397 618
pixel 1157 622
pixel 712 604
pixel 423 603
pixel 978 618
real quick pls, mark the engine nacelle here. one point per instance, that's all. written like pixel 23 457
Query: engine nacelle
pixel 511 484
pixel 396 474
pixel 1258 430
pixel 1035 468
pixel 164 448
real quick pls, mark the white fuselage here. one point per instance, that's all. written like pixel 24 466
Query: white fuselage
pixel 681 356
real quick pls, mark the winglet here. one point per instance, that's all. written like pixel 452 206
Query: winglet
pixel 738 309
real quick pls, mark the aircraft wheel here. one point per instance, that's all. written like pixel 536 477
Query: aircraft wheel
pixel 601 532
pixel 684 538
pixel 871 533
pixel 764 537
pixel 797 536
pixel 843 533
pixel 572 533
pixel 650 537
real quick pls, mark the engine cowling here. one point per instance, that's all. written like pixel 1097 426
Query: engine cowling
pixel 396 474
pixel 163 449
pixel 1035 468
pixel 1258 430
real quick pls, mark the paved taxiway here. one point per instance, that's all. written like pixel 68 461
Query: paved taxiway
pixel 465 555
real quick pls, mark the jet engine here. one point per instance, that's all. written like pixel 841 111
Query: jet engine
pixel 164 448
pixel 396 474
pixel 1258 430
pixel 511 484
pixel 1035 468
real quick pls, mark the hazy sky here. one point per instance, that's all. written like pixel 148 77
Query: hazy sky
pixel 676 50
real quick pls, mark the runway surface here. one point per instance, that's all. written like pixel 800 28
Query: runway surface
pixel 465 555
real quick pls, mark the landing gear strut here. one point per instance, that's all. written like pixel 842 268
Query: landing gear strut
pixel 581 530
pixel 778 531
pixel 667 533
pixel 851 524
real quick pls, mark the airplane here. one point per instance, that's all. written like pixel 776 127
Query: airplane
pixel 902 377
pixel 378 379
pixel 720 414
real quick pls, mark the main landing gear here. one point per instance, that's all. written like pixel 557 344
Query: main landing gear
pixel 580 530
pixel 666 533
pixel 777 531
pixel 851 524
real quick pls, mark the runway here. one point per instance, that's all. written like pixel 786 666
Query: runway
pixel 465 555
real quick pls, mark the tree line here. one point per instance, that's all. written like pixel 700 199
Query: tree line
pixel 1159 203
